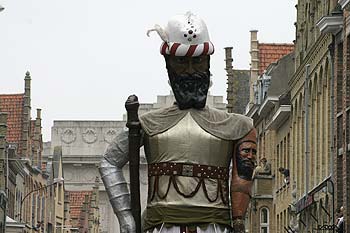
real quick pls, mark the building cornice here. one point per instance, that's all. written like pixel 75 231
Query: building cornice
pixel 330 24
pixel 253 112
pixel 280 116
pixel 267 105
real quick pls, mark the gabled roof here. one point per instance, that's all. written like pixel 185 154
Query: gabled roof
pixel 271 52
pixel 13 105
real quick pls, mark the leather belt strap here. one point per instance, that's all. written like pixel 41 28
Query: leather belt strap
pixel 191 170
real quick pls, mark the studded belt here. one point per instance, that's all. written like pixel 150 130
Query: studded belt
pixel 185 169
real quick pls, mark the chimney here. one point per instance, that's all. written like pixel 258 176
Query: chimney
pixel 25 151
pixel 230 81
pixel 38 138
pixel 38 113
pixel 37 130
pixel 254 64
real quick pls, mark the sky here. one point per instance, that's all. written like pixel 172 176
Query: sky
pixel 87 56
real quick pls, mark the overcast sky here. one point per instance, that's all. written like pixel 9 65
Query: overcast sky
pixel 86 56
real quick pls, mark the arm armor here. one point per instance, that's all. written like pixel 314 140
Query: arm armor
pixel 114 159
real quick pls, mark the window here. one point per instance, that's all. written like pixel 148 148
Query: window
pixel 33 208
pixel 264 220
pixel 60 192
pixel 38 208
pixel 43 209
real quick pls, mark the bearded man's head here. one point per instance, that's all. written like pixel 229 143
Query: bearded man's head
pixel 186 47
pixel 189 79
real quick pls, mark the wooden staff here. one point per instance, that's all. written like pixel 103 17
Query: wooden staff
pixel 133 123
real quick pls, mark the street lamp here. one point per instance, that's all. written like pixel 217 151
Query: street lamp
pixel 55 181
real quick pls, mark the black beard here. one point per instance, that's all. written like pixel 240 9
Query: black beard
pixel 190 90
pixel 245 168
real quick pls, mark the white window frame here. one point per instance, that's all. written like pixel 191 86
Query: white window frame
pixel 265 224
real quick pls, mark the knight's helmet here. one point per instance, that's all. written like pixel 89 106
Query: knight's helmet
pixel 184 35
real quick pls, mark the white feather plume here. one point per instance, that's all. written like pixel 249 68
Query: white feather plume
pixel 161 32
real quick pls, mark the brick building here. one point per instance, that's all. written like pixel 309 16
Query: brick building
pixel 311 88
pixel 338 24
pixel 25 181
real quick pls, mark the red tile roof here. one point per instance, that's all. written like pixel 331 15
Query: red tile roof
pixel 13 105
pixel 270 52
pixel 76 200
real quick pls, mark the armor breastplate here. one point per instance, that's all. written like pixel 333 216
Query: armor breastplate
pixel 188 143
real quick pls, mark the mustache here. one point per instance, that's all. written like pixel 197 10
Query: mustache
pixel 248 162
pixel 194 85
pixel 190 89
pixel 191 76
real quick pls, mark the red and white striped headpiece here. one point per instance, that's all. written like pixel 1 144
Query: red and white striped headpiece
pixel 185 35
pixel 182 50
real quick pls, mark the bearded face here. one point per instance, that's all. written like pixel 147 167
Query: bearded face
pixel 246 159
pixel 189 79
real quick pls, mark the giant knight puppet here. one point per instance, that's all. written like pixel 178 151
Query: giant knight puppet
pixel 200 159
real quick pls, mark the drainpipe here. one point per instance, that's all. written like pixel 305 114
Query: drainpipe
pixel 307 152
pixel 331 58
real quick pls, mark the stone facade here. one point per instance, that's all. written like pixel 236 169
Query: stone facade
pixel 295 128
pixel 26 179
pixel 83 144
pixel 311 139
pixel 34 205
pixel 55 193
pixel 271 195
